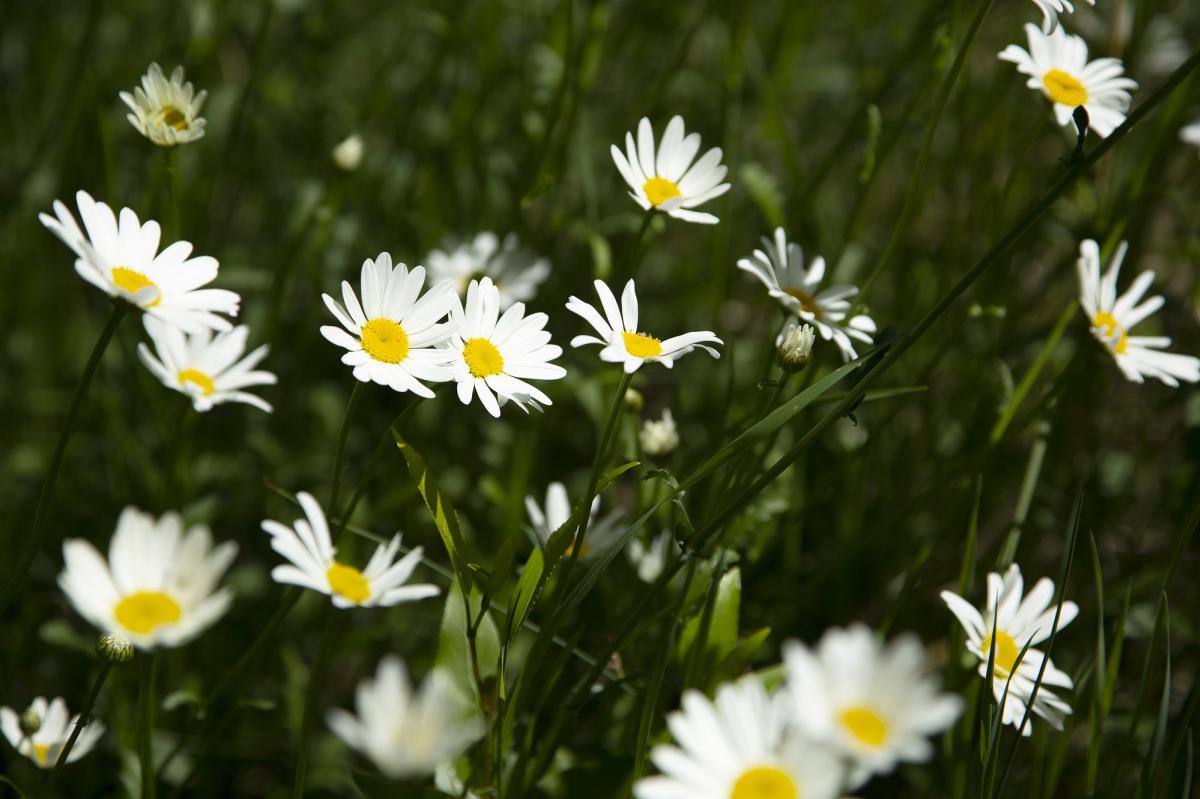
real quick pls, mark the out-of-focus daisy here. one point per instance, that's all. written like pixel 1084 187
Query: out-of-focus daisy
pixel 392 338
pixel 349 152
pixel 515 271
pixel 159 585
pixel 874 702
pixel 312 564
pixel 1190 134
pixel 659 437
pixel 554 514
pixel 495 356
pixel 1017 621
pixel 204 366
pixel 1112 317
pixel 780 266
pixel 649 560
pixel 45 746
pixel 167 112
pixel 123 261
pixel 407 734
pixel 1051 9
pixel 667 180
pixel 619 336
pixel 738 747
pixel 1058 67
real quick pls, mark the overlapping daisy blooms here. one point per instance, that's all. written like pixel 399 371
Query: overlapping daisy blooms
pixel 45 746
pixel 665 178
pixel 167 112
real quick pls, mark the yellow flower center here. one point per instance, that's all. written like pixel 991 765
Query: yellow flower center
pixel 1006 653
pixel 40 753
pixel 659 190
pixel 807 301
pixel 765 782
pixel 1112 328
pixel 640 345
pixel 170 115
pixel 140 613
pixel 1064 89
pixel 197 378
pixel 347 581
pixel 482 357
pixel 865 725
pixel 385 340
pixel 132 282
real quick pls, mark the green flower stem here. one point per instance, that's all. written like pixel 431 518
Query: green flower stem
pixel 1026 384
pixel 316 678
pixel 147 694
pixel 340 454
pixel 634 259
pixel 33 537
pixel 388 438
pixel 85 715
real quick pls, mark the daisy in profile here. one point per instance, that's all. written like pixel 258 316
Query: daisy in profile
pixel 495 355
pixel 738 747
pixel 780 267
pixel 545 519
pixel 1018 620
pixel 205 366
pixel 1058 67
pixel 158 588
pixel 515 271
pixel 1112 317
pixel 407 734
pixel 1051 9
pixel 312 564
pixel 167 112
pixel 619 336
pixel 666 179
pixel 45 746
pixel 873 701
pixel 123 261
pixel 392 337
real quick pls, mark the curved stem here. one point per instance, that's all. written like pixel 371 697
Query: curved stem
pixel 315 678
pixel 33 537
pixel 85 715
pixel 145 735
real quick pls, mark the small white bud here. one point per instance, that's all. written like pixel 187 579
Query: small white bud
pixel 659 437
pixel 796 348
pixel 634 400
pixel 114 648
pixel 348 155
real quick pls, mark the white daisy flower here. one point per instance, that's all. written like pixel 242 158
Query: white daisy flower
pixel 668 181
pixel 780 267
pixel 45 746
pixel 167 112
pixel 514 270
pixel 1051 9
pixel 1111 318
pixel 874 702
pixel 406 734
pixel 312 564
pixel 619 336
pixel 158 588
pixel 123 261
pixel 554 514
pixel 204 366
pixel 1058 67
pixel 738 747
pixel 495 355
pixel 649 560
pixel 1190 134
pixel 392 338
pixel 659 437
pixel 1017 622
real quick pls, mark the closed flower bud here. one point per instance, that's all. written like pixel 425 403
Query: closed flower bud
pixel 31 722
pixel 114 648
pixel 796 348
pixel 348 154
pixel 634 400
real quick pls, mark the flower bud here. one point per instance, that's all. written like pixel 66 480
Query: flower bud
pixel 661 437
pixel 796 348
pixel 348 155
pixel 31 722
pixel 634 400
pixel 114 648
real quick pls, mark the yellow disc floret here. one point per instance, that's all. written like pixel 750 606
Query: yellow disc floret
pixel 348 582
pixel 198 379
pixel 132 281
pixel 1006 653
pixel 170 115
pixel 143 612
pixel 807 301
pixel 765 782
pixel 865 725
pixel 659 190
pixel 640 345
pixel 385 340
pixel 482 357
pixel 1112 330
pixel 1064 88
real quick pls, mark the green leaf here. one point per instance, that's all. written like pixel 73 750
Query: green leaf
pixel 454 653
pixel 723 628
pixel 526 592
pixel 740 657
pixel 444 517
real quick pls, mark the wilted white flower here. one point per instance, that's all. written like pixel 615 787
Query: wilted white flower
pixel 659 437
pixel 167 112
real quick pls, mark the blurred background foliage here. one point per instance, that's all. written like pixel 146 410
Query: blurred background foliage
pixel 498 115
